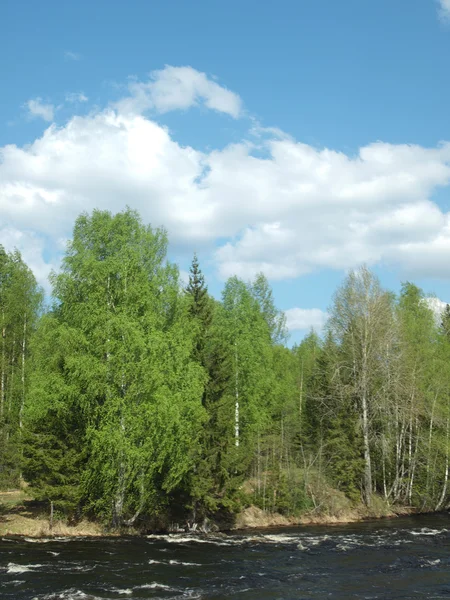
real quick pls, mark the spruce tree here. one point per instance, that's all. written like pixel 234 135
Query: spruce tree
pixel 200 310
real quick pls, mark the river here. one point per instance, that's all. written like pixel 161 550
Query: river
pixel 400 558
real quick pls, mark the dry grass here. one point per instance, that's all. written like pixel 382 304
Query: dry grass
pixel 255 518
pixel 20 515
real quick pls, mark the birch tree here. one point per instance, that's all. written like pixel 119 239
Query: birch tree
pixel 360 322
pixel 20 302
pixel 126 368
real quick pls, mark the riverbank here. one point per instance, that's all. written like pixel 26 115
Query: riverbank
pixel 19 515
pixel 255 518
pixel 397 558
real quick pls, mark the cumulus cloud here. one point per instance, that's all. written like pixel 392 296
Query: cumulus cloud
pixel 75 97
pixel 272 204
pixel 437 306
pixel 37 108
pixel 320 208
pixel 175 88
pixel 444 9
pixel 305 318
pixel 31 246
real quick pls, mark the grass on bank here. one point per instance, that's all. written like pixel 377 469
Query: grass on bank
pixel 20 514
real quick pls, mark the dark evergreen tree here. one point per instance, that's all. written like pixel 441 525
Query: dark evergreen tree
pixel 200 310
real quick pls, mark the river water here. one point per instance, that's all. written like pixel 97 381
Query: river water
pixel 401 558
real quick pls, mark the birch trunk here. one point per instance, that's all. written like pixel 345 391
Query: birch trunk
pixel 236 406
pixel 444 487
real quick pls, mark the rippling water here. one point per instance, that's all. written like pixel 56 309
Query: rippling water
pixel 403 558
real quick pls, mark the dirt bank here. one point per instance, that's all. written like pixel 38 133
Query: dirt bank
pixel 24 519
pixel 255 518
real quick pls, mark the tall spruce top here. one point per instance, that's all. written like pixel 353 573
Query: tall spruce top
pixel 197 288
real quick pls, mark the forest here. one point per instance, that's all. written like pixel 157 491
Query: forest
pixel 128 396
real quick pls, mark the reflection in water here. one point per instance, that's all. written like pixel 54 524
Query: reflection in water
pixel 403 558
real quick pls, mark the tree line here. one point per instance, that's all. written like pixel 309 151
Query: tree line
pixel 133 396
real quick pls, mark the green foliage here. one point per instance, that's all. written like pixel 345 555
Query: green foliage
pixel 120 349
pixel 20 302
pixel 132 397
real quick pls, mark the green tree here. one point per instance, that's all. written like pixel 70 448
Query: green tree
pixel 275 319
pixel 360 322
pixel 124 367
pixel 20 302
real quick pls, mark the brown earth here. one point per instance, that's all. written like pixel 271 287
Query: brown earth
pixel 20 515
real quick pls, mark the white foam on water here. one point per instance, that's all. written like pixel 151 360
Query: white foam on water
pixel 303 541
pixel 13 568
pixel 181 539
pixel 54 553
pixel 427 531
pixel 123 592
pixel 216 541
pixel 430 563
pixel 192 594
pixel 69 594
pixel 184 564
pixel 156 586
pixel 344 547
pixel 52 539
pixel 83 568
pixel 315 541
pixel 156 562
pixel 279 539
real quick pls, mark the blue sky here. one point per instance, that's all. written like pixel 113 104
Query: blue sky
pixel 297 138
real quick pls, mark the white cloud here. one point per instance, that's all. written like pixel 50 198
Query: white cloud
pixel 305 318
pixel 72 55
pixel 75 97
pixel 37 108
pixel 289 210
pixel 310 208
pixel 31 247
pixel 444 9
pixel 437 307
pixel 175 88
